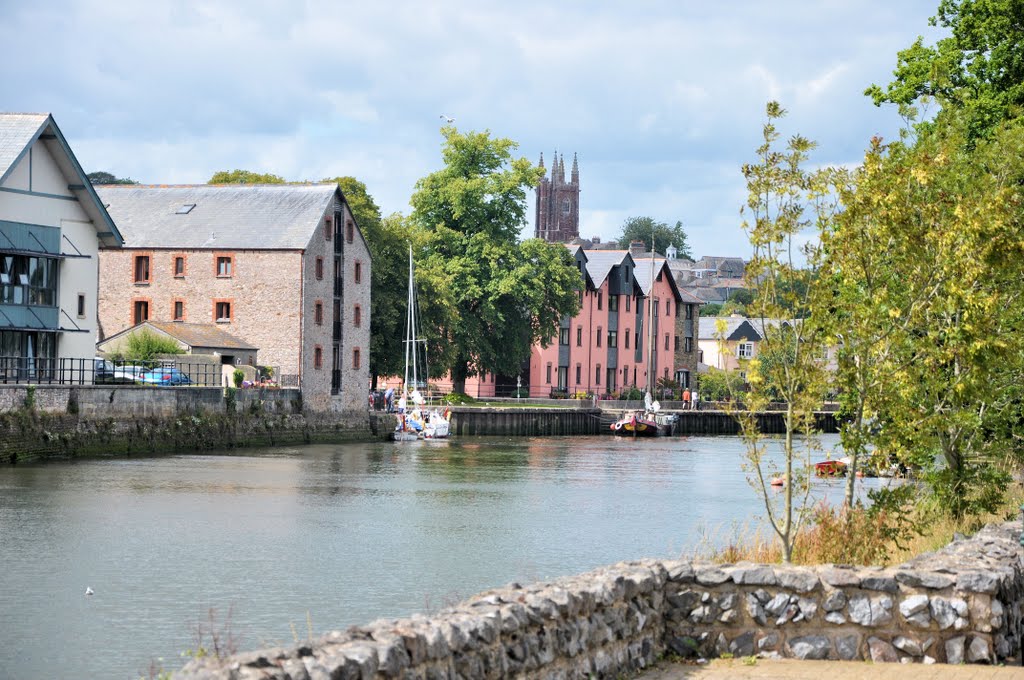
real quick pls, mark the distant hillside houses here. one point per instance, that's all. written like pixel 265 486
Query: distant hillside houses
pixel 712 278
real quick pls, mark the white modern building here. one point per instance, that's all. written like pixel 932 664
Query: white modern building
pixel 51 227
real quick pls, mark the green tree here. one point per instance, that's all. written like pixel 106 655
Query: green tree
pixel 144 346
pixel 644 228
pixel 491 297
pixel 244 177
pixel 711 309
pixel 102 177
pixel 977 69
pixel 783 199
pixel 930 243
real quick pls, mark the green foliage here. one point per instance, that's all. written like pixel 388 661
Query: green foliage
pixel 238 377
pixel 631 393
pixel 487 297
pixel 30 397
pixel 924 267
pixel 101 177
pixel 144 346
pixel 711 309
pixel 976 69
pixel 718 385
pixel 458 399
pixel 644 228
pixel 244 177
pixel 783 200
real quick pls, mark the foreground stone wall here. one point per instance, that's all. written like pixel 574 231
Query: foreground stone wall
pixel 960 604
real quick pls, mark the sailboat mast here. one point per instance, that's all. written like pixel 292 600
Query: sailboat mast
pixel 409 333
pixel 650 326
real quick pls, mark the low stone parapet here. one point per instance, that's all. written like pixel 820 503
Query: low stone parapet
pixel 960 604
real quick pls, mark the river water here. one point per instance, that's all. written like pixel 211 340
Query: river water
pixel 289 540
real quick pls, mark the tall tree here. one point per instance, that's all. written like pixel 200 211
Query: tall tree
pixel 926 260
pixel 497 296
pixel 646 228
pixel 244 177
pixel 977 69
pixel 783 200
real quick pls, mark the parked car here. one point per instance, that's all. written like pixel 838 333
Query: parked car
pixel 129 373
pixel 164 376
pixel 102 371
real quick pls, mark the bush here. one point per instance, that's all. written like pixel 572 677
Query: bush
pixel 631 394
pixel 457 398
pixel 145 346
pixel 238 377
pixel 717 385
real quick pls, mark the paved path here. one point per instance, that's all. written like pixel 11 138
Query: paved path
pixel 788 669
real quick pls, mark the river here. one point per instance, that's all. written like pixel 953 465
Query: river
pixel 288 540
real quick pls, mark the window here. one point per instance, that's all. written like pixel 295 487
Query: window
pixel 328 230
pixel 688 345
pixel 668 308
pixel 141 269
pixel 356 358
pixel 81 305
pixel 318 313
pixel 745 350
pixel 318 357
pixel 609 382
pixel 700 356
pixel 627 336
pixel 579 374
pixel 597 375
pixel 657 306
pixel 350 231
pixel 581 298
pixel 548 375
pixel 627 303
pixel 563 336
pixel 359 272
pixel 675 344
pixel 666 340
pixel 357 316
pixel 179 267
pixel 140 311
pixel 613 339
pixel 598 336
pixel 179 310
pixel 689 311
pixel 319 269
pixel 222 311
pixel 600 297
pixel 225 264
pixel 579 336
pixel 613 303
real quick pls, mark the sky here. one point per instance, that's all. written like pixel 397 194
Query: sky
pixel 662 101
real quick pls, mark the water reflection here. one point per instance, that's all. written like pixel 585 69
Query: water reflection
pixel 341 534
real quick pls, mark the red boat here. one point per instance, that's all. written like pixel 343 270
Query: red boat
pixel 635 424
pixel 830 468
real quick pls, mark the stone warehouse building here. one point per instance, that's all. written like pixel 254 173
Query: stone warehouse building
pixel 52 225
pixel 282 267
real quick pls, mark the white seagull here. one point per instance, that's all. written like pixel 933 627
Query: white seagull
pixel 88 590
pixel 447 119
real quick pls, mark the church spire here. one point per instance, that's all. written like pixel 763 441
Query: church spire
pixel 575 170
pixel 541 160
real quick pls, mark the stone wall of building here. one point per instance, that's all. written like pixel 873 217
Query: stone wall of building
pixel 963 603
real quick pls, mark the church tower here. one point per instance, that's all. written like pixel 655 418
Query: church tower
pixel 558 203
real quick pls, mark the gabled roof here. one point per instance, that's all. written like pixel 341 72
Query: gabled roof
pixel 190 334
pixel 243 216
pixel 738 328
pixel 578 250
pixel 644 277
pixel 601 262
pixel 20 131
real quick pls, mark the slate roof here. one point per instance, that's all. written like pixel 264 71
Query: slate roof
pixel 19 131
pixel 600 263
pixel 737 327
pixel 190 334
pixel 244 216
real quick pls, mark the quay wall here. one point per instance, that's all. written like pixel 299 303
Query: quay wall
pixel 961 604
pixel 44 421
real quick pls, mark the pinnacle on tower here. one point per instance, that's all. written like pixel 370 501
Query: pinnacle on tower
pixel 575 170
pixel 541 164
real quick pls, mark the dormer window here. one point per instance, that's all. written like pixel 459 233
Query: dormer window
pixel 185 209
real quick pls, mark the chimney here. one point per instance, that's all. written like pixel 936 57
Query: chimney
pixel 596 240
pixel 637 248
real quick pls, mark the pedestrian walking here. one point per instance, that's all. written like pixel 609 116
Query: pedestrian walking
pixel 686 399
pixel 694 400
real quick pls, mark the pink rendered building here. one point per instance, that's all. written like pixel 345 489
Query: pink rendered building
pixel 608 345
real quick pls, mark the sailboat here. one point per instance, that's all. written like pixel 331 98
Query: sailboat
pixel 415 420
pixel 647 422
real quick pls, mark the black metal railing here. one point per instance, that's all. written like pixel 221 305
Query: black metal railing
pixel 72 371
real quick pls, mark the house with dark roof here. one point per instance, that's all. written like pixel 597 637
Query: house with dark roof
pixel 192 339
pixel 52 225
pixel 282 267
pixel 626 330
